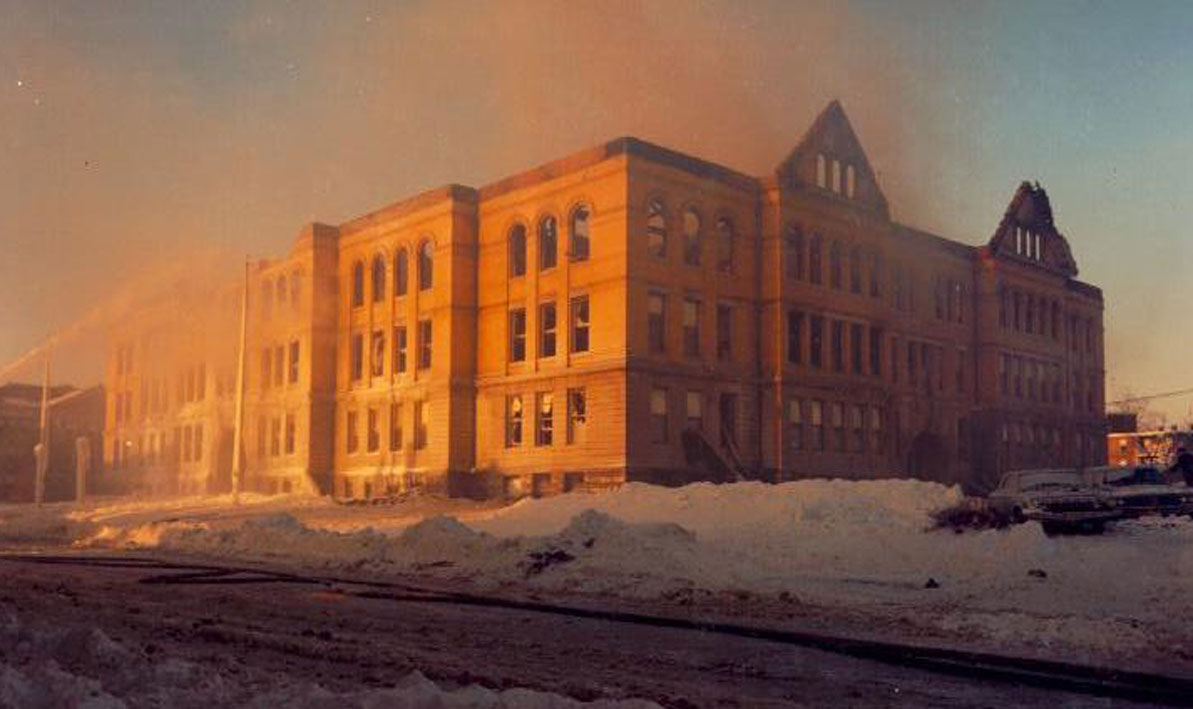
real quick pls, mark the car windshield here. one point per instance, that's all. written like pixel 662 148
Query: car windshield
pixel 1050 481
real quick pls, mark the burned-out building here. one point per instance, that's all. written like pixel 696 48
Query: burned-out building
pixel 74 414
pixel 631 313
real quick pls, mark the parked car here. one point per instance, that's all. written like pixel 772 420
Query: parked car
pixel 1142 490
pixel 1060 499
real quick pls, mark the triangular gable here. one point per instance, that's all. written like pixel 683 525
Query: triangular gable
pixel 831 141
pixel 1028 233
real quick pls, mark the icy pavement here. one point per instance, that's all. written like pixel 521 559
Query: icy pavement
pixel 44 666
pixel 861 552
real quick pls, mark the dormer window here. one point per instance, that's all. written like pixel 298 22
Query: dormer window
pixel 821 172
pixel 850 181
pixel 837 176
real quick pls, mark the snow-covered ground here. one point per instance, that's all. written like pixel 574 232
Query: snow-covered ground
pixel 859 551
pixel 44 666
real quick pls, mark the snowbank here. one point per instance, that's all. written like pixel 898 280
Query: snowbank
pixel 82 667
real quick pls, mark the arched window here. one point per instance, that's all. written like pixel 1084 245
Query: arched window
pixel 358 284
pixel 837 176
pixel 401 272
pixel 815 260
pixel 426 265
pixel 834 265
pixel 517 245
pixel 850 181
pixel 378 278
pixel 725 239
pixel 1039 252
pixel 656 229
pixel 821 172
pixel 793 254
pixel 295 288
pixel 691 237
pixel 578 248
pixel 548 242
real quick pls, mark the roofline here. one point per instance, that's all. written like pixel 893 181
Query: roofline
pixel 410 205
pixel 941 242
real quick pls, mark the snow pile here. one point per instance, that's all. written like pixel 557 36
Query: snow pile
pixel 84 668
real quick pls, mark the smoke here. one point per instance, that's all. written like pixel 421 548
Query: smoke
pixel 145 137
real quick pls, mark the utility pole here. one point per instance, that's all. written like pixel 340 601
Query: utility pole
pixel 238 433
pixel 42 450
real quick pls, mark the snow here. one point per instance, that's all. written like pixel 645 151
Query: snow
pixel 82 667
pixel 862 551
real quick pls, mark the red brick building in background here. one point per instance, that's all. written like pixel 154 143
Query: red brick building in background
pixel 628 313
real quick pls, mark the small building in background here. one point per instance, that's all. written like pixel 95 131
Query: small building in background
pixel 1127 446
pixel 74 413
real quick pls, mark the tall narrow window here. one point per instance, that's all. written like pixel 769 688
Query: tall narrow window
pixel 815 270
pixel 837 176
pixel 725 239
pixel 691 327
pixel 656 229
pixel 372 431
pixel 279 365
pixel 547 329
pixel 578 232
pixel 518 335
pixel 694 410
pixel 816 341
pixel 377 347
pixel 656 313
pixel 875 274
pixel 400 349
pixel 691 237
pixel 793 254
pixel 855 347
pixel 816 419
pixel 850 181
pixel 658 415
pixel 837 414
pixel 426 265
pixel 266 374
pixel 378 278
pixel 424 344
pixel 293 372
pixel 724 333
pixel 352 442
pixel 877 438
pixel 838 344
pixel 358 285
pixel 548 242
pixel 401 272
pixel 513 421
pixel 545 412
pixel 517 247
pixel 857 425
pixel 420 425
pixel 834 265
pixel 795 337
pixel 579 317
pixel 795 424
pixel 876 351
pixel 395 426
pixel 577 415
pixel 357 357
pixel 855 270
pixel 821 171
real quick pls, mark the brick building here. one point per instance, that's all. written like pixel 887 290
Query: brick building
pixel 630 313
pixel 74 414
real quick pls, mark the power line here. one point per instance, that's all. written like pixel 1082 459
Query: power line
pixel 1150 397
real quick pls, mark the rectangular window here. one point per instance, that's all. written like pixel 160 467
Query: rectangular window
pixel 837 411
pixel 420 425
pixel 579 315
pixel 372 430
pixel 691 327
pixel 400 349
pixel 795 339
pixel 424 344
pixel 577 415
pixel 656 313
pixel 838 340
pixel 517 334
pixel 352 443
pixel 876 433
pixel 356 356
pixel 275 436
pixel 855 347
pixel 547 330
pixel 816 418
pixel 694 409
pixel 279 365
pixel 876 351
pixel 513 421
pixel 290 433
pixel 377 347
pixel 816 342
pixel 545 418
pixel 795 424
pixel 858 425
pixel 658 415
pixel 293 378
pixel 395 427
pixel 724 333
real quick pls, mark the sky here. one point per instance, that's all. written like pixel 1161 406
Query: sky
pixel 143 138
